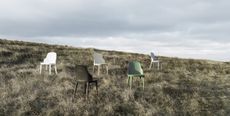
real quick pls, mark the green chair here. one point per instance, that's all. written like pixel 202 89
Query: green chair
pixel 135 70
pixel 83 76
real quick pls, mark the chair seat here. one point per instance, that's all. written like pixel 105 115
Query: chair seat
pixel 101 64
pixel 84 81
pixel 136 75
pixel 46 63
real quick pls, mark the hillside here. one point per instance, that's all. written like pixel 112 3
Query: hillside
pixel 181 87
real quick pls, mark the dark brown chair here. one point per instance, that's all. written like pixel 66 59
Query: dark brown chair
pixel 83 76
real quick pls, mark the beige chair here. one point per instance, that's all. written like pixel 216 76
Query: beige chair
pixel 99 61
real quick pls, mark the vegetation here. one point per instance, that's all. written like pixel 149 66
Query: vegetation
pixel 181 87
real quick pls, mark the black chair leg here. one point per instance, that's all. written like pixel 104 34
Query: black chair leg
pixel 85 88
pixel 75 90
pixel 96 87
pixel 88 87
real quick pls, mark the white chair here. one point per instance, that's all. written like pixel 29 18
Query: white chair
pixel 154 59
pixel 98 61
pixel 48 61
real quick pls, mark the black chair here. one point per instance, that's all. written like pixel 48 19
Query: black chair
pixel 83 76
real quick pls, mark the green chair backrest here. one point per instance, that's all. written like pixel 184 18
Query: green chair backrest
pixel 134 68
pixel 82 73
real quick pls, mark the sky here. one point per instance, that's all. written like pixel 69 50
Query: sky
pixel 197 29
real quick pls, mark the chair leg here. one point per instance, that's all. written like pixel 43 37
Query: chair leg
pixel 130 82
pixel 87 88
pixel 96 88
pixel 50 69
pixel 143 80
pixel 150 65
pixel 40 69
pixel 158 65
pixel 75 90
pixel 93 68
pixel 107 69
pixel 98 70
pixel 55 67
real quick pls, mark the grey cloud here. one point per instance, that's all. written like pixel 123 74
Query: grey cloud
pixel 170 23
pixel 103 17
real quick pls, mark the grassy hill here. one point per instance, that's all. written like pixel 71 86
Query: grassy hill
pixel 181 87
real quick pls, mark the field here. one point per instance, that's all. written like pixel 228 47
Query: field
pixel 181 87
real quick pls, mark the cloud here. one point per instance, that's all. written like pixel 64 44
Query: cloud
pixel 191 28
pixel 200 49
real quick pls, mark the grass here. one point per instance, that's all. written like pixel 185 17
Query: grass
pixel 181 87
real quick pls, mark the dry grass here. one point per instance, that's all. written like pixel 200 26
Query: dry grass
pixel 182 87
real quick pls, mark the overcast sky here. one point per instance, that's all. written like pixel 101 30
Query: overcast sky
pixel 179 28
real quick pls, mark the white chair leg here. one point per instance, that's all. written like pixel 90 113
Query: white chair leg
pixel 107 69
pixel 158 65
pixel 50 69
pixel 40 69
pixel 93 68
pixel 98 72
pixel 55 68
pixel 150 65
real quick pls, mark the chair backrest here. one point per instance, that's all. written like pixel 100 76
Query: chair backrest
pixel 82 73
pixel 51 58
pixel 134 67
pixel 98 58
pixel 153 57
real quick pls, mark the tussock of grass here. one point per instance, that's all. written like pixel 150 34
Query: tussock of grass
pixel 181 87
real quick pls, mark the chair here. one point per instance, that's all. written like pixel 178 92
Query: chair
pixel 48 61
pixel 154 59
pixel 83 76
pixel 135 70
pixel 98 61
